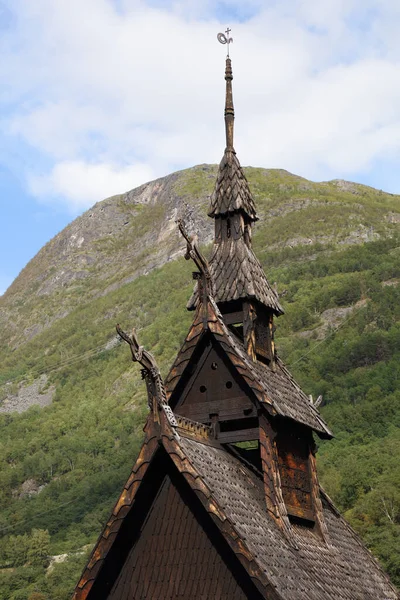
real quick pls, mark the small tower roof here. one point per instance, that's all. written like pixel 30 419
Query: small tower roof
pixel 237 273
pixel 232 192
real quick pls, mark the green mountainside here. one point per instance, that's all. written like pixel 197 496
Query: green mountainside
pixel 72 405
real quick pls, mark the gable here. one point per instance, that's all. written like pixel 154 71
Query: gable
pixel 174 557
pixel 274 389
pixel 216 391
pixel 169 547
pixel 217 492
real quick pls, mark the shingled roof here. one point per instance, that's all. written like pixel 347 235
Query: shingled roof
pixel 233 495
pixel 237 274
pixel 231 192
pixel 315 571
pixel 276 389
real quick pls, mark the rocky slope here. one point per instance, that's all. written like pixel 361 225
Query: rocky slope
pixel 130 234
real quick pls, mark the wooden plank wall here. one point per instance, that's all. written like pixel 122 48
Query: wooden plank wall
pixel 174 557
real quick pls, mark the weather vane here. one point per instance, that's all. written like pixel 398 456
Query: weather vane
pixel 224 38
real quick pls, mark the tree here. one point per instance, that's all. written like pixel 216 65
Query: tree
pixel 39 545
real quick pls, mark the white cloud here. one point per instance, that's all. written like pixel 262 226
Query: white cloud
pixel 83 184
pixel 317 89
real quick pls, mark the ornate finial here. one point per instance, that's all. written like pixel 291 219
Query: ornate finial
pixel 224 38
pixel 229 110
pixel 156 395
pixel 201 263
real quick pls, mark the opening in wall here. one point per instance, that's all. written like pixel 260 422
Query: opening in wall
pixel 249 452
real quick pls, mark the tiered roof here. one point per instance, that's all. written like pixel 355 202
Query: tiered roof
pixel 195 518
pixel 236 272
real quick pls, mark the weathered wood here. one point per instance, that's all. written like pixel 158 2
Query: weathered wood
pixel 239 435
pixel 316 497
pixel 201 517
pixel 233 317
pixel 174 557
pixel 294 468
pixel 271 476
pixel 249 328
pixel 202 411
pixel 214 389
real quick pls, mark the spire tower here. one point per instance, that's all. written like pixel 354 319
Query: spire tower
pixel 245 298
pixel 229 108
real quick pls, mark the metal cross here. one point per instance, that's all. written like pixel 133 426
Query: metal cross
pixel 224 38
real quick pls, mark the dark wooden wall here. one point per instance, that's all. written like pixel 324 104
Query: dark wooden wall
pixel 214 390
pixel 174 557
pixel 169 547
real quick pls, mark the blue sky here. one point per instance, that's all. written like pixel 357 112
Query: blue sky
pixel 97 97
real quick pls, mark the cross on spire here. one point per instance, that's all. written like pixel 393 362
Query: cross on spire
pixel 224 38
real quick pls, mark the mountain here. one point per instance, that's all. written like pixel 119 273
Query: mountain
pixel 72 405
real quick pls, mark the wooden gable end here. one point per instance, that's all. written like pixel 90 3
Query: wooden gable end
pixel 216 392
pixel 174 557
pixel 168 546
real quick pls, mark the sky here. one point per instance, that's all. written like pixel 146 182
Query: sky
pixel 100 96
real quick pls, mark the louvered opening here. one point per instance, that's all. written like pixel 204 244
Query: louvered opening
pixel 233 316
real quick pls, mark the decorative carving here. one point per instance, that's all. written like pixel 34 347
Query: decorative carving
pixel 249 328
pixel 193 252
pixel 156 395
pixel 199 429
pixel 316 499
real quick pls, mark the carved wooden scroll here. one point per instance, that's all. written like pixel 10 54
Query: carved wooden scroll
pixel 156 395
pixel 203 277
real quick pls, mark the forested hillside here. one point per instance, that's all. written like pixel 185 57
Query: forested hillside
pixel 333 250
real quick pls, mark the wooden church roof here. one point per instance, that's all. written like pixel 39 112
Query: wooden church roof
pixel 232 497
pixel 235 270
pixel 231 192
pixel 276 389
pixel 237 273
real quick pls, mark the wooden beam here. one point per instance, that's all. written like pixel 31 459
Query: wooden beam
pixel 241 435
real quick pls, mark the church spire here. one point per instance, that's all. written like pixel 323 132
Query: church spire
pixel 231 193
pixel 237 276
pixel 229 109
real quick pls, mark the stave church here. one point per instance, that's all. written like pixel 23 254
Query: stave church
pixel 223 501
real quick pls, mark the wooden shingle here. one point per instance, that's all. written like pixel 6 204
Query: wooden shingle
pixel 231 192
pixel 237 274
